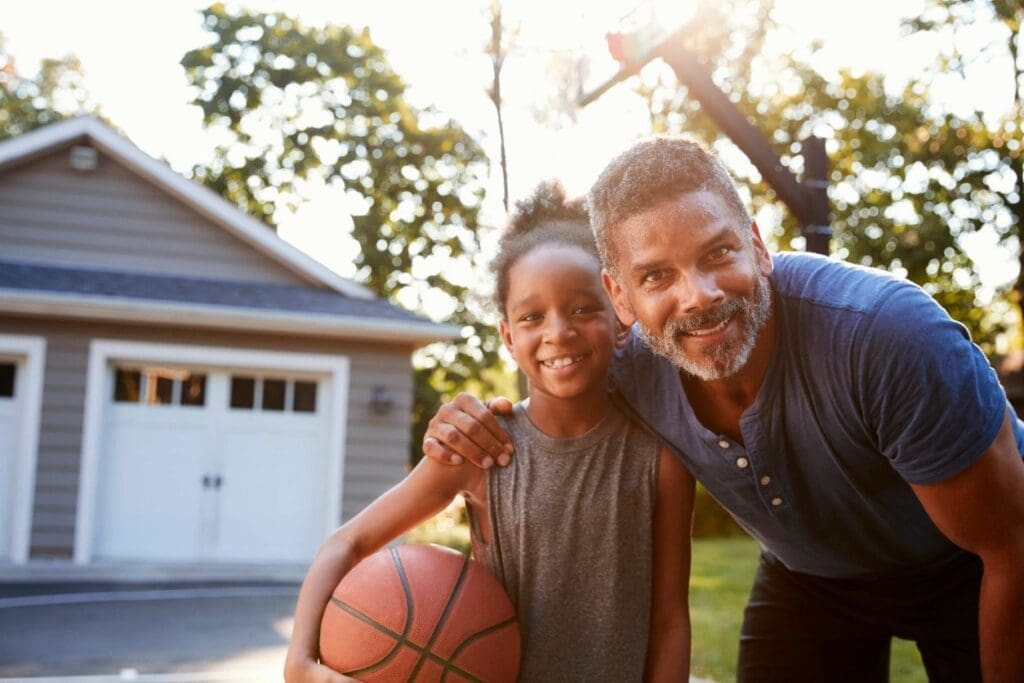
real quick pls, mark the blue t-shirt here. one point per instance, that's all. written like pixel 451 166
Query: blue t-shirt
pixel 871 387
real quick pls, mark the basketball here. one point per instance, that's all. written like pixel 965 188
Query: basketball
pixel 420 613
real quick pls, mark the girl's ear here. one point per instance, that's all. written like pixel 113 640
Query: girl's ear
pixel 622 332
pixel 506 336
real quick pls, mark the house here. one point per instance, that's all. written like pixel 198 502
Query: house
pixel 179 386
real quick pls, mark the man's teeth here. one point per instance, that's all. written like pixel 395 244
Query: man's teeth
pixel 711 330
pixel 557 363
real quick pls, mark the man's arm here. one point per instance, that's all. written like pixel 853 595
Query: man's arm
pixel 421 495
pixel 982 510
pixel 464 430
pixel 668 648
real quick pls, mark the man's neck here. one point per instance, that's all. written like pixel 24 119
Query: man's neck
pixel 719 404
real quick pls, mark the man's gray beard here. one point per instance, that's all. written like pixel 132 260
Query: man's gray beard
pixel 726 358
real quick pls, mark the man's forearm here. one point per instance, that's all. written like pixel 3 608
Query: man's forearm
pixel 1001 623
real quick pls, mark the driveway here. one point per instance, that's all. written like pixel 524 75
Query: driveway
pixel 171 633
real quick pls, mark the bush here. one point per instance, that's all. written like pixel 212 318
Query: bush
pixel 710 520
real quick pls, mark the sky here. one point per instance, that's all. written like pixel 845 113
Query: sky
pixel 130 52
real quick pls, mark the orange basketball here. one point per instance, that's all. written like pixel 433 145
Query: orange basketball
pixel 421 613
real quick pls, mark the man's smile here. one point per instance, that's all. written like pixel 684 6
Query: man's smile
pixel 708 331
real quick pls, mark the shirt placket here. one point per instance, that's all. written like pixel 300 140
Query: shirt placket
pixel 755 460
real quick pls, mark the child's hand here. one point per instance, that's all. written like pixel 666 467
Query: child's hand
pixel 465 430
pixel 308 671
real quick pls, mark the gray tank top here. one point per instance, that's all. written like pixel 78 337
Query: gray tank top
pixel 571 523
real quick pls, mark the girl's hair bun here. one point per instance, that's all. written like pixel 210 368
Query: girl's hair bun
pixel 546 217
pixel 547 204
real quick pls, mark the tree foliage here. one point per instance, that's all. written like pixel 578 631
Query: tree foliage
pixel 56 92
pixel 907 178
pixel 296 105
pixel 950 18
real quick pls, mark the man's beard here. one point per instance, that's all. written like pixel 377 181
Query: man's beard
pixel 727 357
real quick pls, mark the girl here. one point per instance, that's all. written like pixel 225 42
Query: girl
pixel 589 527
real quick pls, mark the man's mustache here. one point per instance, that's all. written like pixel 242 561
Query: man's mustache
pixel 708 318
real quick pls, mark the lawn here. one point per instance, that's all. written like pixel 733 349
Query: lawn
pixel 720 582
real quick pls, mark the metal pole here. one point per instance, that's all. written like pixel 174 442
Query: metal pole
pixel 808 201
pixel 817 229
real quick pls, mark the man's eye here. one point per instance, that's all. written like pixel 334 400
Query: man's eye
pixel 654 276
pixel 717 253
pixel 583 310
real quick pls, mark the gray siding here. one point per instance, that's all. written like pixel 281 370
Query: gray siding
pixel 376 447
pixel 110 218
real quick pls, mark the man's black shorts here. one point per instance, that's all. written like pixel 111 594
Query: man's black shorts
pixel 800 628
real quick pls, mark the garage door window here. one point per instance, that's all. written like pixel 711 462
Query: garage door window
pixel 273 394
pixel 7 371
pixel 159 386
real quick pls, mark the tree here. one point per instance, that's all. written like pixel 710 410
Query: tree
pixel 907 178
pixel 56 92
pixel 298 104
pixel 952 17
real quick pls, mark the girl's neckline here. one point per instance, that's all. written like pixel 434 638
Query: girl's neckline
pixel 611 421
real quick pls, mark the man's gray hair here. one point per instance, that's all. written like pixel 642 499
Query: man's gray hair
pixel 650 172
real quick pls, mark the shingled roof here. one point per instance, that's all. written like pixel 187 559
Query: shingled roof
pixel 99 293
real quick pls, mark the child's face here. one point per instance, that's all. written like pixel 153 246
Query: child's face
pixel 559 324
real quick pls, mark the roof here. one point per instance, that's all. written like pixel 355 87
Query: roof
pixel 41 141
pixel 98 294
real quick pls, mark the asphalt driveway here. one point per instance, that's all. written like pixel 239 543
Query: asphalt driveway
pixel 92 633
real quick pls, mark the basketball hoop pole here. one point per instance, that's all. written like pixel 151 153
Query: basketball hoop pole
pixel 808 200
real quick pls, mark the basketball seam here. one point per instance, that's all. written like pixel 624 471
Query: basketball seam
pixel 469 641
pixel 401 640
pixel 444 615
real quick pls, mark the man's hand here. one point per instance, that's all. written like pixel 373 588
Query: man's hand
pixel 465 429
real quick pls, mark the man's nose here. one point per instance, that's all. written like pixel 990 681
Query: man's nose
pixel 699 292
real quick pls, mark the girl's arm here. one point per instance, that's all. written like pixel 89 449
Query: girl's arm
pixel 668 649
pixel 427 490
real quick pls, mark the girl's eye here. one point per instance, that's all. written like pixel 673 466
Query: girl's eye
pixel 529 318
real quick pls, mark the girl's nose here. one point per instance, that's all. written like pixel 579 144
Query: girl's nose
pixel 559 328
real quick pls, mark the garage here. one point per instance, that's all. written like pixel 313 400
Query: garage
pixel 207 462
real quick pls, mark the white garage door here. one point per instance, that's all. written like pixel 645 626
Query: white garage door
pixel 212 465
pixel 10 429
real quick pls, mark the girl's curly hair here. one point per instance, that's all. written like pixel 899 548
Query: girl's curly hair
pixel 545 217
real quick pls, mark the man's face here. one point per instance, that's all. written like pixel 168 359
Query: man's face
pixel 694 276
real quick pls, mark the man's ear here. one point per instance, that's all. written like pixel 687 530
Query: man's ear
pixel 622 332
pixel 619 301
pixel 761 253
pixel 506 336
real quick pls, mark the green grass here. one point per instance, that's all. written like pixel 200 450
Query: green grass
pixel 720 581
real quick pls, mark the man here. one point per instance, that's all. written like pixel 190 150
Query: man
pixel 838 413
